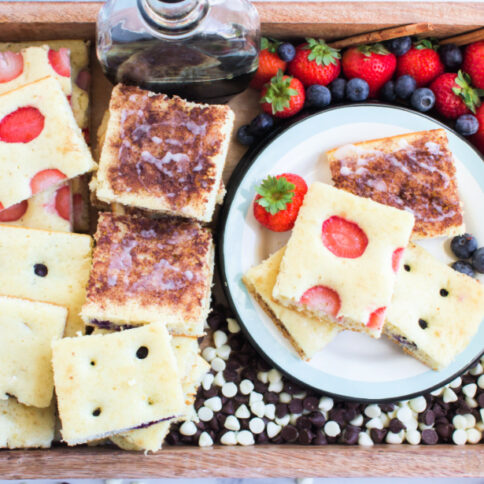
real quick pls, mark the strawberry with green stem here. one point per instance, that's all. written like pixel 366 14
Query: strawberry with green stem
pixel 278 201
pixel 269 63
pixel 283 96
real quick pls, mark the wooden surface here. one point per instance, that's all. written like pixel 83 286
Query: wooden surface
pixel 24 20
pixel 259 461
pixel 21 20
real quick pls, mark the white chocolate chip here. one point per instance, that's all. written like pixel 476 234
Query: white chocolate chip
pixel 246 386
pixel 258 408
pixel 233 326
pixel 412 424
pixel 188 428
pixel 357 421
pixel 273 429
pixel 274 376
pixel 385 420
pixel 456 383
pixel 473 436
pixel 283 421
pixel 374 423
pixel 449 396
pixel 284 397
pixel 244 437
pixel 326 404
pixel 276 387
pixel 364 439
pixel 207 381
pixel 262 376
pixel 393 438
pixel 209 353
pixel 205 414
pixel 471 402
pixel 219 338
pixel 470 420
pixel 205 440
pixel 255 397
pixel 270 411
pixel 476 370
pixel 438 392
pixel 480 382
pixel 229 438
pixel 404 414
pixel 218 364
pixel 229 389
pixel 232 423
pixel 372 411
pixel 332 428
pixel 413 437
pixel 224 352
pixel 214 404
pixel 459 437
pixel 469 390
pixel 481 411
pixel 256 425
pixel 219 379
pixel 242 412
pixel 418 404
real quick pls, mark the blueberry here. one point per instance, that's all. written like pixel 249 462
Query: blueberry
pixel 464 267
pixel 318 96
pixel 478 260
pixel 262 123
pixel 404 86
pixel 467 124
pixel 451 56
pixel 463 246
pixel 357 90
pixel 399 46
pixel 286 52
pixel 337 88
pixel 40 270
pixel 244 137
pixel 387 92
pixel 422 99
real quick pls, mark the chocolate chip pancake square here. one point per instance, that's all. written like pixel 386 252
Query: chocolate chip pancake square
pixel 435 310
pixel 110 383
pixel 147 271
pixel 413 172
pixel 27 329
pixel 163 154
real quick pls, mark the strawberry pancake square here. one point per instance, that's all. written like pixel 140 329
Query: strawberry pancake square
pixel 341 261
pixel 413 172
pixel 49 210
pixel 147 270
pixel 41 145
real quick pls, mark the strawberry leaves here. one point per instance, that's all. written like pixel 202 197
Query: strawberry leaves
pixel 378 48
pixel 279 92
pixel 426 44
pixel 270 44
pixel 276 194
pixel 321 52
pixel 466 92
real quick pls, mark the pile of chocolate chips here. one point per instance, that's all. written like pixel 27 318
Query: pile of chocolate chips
pixel 243 401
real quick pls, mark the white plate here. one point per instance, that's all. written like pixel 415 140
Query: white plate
pixel 353 365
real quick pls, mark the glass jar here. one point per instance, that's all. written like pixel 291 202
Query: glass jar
pixel 203 50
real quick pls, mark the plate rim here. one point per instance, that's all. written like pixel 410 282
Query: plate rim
pixel 242 167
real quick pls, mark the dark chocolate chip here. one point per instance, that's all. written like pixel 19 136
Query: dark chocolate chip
pixel 289 433
pixel 396 425
pixel 211 392
pixel 214 424
pixel 277 439
pixel 228 408
pixel 281 410
pixel 444 431
pixel 438 410
pixel 406 267
pixel 262 438
pixel 444 292
pixel 430 437
pixel 96 412
pixel 271 397
pixel 310 403
pixel 422 323
pixel 89 330
pixel 305 436
pixel 292 388
pixel 337 414
pixel 40 270
pixel 427 417
pixel 296 405
pixel 349 414
pixel 387 407
pixel 480 400
pixel 317 419
pixel 215 320
pixel 231 375
pixel 303 422
pixel 198 403
pixel 350 435
pixel 320 438
pixel 259 386
pixel 142 352
pixel 239 398
pixel 378 435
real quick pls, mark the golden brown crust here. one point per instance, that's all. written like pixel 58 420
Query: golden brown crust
pixel 413 172
pixel 157 263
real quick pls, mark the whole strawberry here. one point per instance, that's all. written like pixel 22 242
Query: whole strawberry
pixel 315 63
pixel 454 95
pixel 474 63
pixel 478 138
pixel 373 63
pixel 421 62
pixel 283 96
pixel 269 63
pixel 278 201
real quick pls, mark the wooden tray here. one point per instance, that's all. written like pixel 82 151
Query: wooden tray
pixel 51 20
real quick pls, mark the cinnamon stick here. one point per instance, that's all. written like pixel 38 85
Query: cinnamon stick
pixel 464 39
